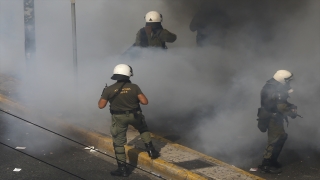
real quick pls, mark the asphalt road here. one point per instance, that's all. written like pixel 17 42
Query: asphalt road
pixel 51 157
pixel 297 164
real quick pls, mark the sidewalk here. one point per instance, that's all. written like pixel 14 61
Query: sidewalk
pixel 176 161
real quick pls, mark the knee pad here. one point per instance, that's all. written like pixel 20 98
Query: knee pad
pixel 118 149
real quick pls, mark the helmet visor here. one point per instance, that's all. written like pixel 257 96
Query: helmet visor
pixel 287 80
pixel 119 77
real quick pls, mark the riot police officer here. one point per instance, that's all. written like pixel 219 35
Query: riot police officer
pixel 153 34
pixel 125 99
pixel 271 115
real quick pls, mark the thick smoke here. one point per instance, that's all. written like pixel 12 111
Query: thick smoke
pixel 208 96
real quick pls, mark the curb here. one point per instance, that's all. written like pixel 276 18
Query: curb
pixel 138 157
pixel 221 163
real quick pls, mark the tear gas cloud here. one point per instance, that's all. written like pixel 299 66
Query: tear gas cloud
pixel 207 95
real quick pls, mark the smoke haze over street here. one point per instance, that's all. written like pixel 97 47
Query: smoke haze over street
pixel 207 95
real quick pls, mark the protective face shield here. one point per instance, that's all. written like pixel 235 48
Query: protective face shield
pixel 122 72
pixel 284 77
pixel 153 16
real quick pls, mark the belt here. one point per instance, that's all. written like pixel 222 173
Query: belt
pixel 124 112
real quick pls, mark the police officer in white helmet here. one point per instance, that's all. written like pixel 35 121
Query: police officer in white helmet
pixel 271 115
pixel 125 99
pixel 153 34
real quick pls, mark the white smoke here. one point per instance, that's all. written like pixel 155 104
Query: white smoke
pixel 209 94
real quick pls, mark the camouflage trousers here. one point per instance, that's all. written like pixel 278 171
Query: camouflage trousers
pixel 119 129
pixel 276 139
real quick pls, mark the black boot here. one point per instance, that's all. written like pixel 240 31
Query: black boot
pixel 274 158
pixel 268 166
pixel 121 171
pixel 151 151
pixel 276 164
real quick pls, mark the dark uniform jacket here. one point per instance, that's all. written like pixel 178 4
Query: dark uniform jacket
pixel 274 104
pixel 274 97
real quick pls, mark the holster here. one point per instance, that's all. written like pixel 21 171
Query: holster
pixel 263 119
pixel 135 114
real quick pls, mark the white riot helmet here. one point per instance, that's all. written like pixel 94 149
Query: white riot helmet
pixel 153 16
pixel 122 72
pixel 284 77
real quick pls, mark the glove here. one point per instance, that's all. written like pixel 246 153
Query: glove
pixel 293 116
pixel 293 111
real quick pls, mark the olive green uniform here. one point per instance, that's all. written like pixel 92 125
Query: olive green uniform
pixel 125 110
pixel 156 39
pixel 153 35
pixel 274 110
